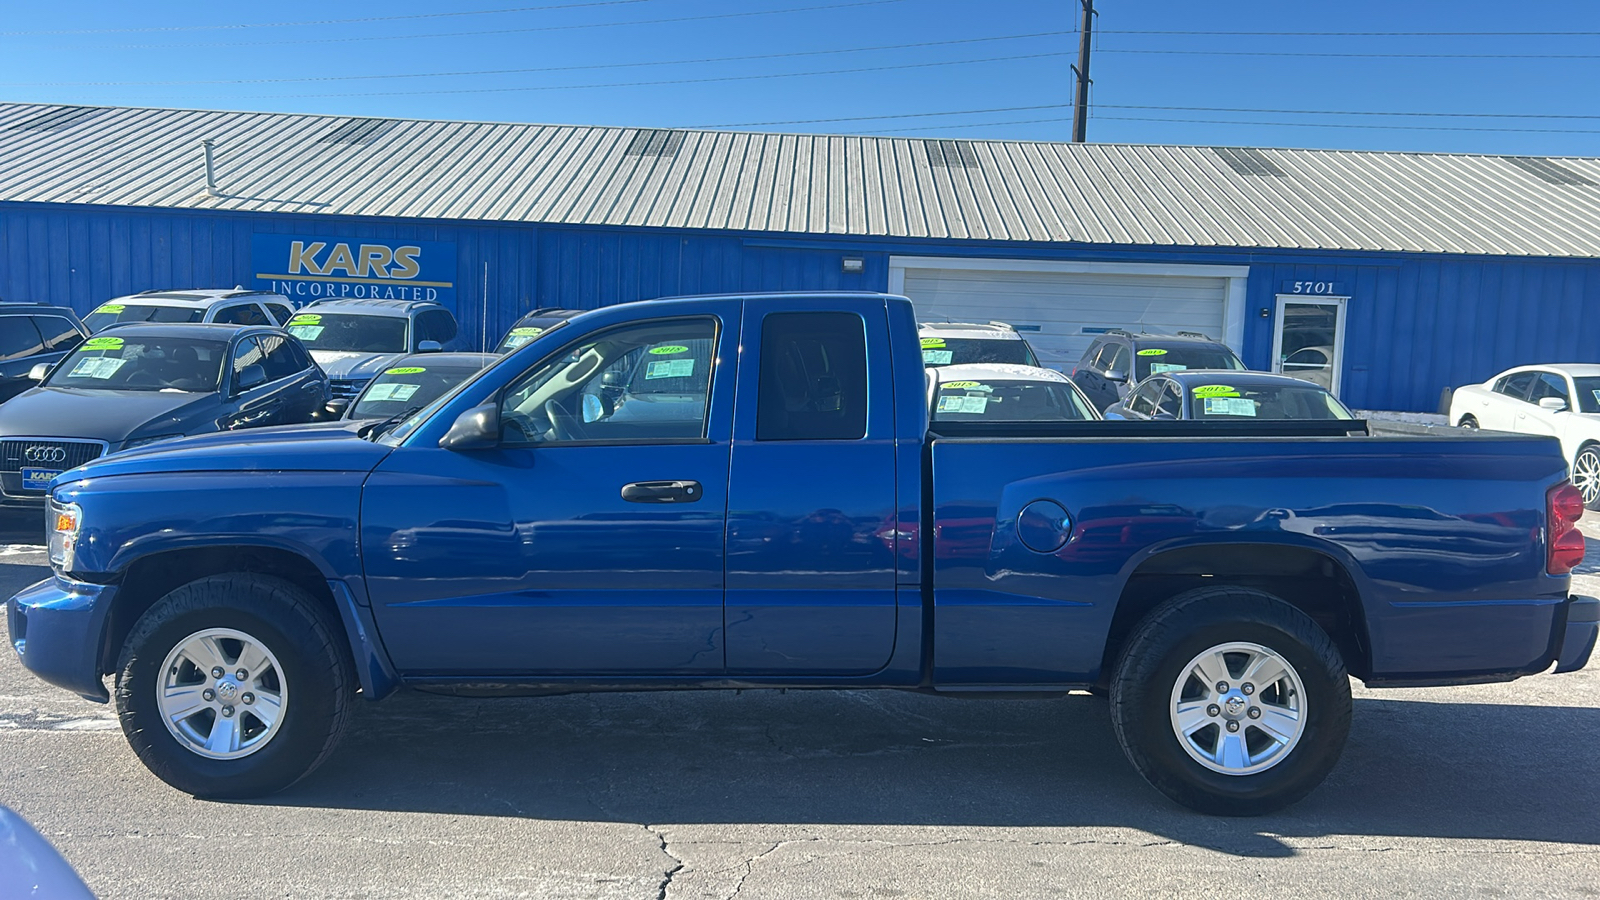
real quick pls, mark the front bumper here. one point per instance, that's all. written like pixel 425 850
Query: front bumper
pixel 1578 634
pixel 56 627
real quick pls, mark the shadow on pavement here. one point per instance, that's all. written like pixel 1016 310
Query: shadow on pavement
pixel 1413 768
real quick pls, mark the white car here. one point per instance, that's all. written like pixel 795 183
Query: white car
pixel 230 307
pixel 1559 400
pixel 958 343
pixel 996 392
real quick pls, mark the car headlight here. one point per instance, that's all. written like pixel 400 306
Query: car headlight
pixel 140 442
pixel 63 521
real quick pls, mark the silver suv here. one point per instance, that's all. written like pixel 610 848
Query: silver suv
pixel 229 307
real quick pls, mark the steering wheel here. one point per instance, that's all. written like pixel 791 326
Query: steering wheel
pixel 563 423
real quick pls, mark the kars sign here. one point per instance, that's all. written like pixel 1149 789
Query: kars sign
pixel 308 268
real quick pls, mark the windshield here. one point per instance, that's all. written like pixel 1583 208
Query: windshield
pixel 407 387
pixel 143 364
pixel 350 331
pixel 959 351
pixel 1588 394
pixel 1155 360
pixel 111 313
pixel 1224 401
pixel 1009 401
pixel 525 332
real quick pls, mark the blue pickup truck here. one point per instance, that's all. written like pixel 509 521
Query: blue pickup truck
pixel 744 492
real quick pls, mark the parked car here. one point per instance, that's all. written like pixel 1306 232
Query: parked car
pixel 1559 400
pixel 410 384
pixel 30 868
pixel 30 334
pixel 229 307
pixel 531 325
pixel 1313 364
pixel 136 384
pixel 1119 359
pixel 1227 395
pixel 994 392
pixel 788 529
pixel 354 340
pixel 959 343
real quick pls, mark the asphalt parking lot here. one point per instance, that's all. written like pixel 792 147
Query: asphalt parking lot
pixel 1474 791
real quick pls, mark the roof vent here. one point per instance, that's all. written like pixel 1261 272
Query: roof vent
pixel 952 154
pixel 655 142
pixel 1249 161
pixel 57 119
pixel 361 132
pixel 1547 171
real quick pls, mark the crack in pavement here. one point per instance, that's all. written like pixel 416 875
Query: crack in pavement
pixel 666 880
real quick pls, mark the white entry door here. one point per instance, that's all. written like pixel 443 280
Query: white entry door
pixel 1308 340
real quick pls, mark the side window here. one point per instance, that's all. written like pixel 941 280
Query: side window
pixel 18 338
pixel 280 313
pixel 436 325
pixel 1516 385
pixel 245 354
pixel 1119 360
pixel 1171 402
pixel 1144 399
pixel 813 378
pixel 640 383
pixel 280 359
pixel 1550 385
pixel 244 314
pixel 1090 355
pixel 58 332
pixel 297 352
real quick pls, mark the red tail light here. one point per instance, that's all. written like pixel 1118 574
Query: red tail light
pixel 1565 506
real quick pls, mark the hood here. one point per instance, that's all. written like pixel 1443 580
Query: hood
pixel 111 416
pixel 344 365
pixel 326 447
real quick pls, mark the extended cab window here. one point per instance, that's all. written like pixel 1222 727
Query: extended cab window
pixel 640 383
pixel 813 378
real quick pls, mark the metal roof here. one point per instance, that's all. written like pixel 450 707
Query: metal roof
pixel 804 184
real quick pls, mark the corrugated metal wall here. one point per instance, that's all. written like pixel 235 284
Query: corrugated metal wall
pixel 1416 323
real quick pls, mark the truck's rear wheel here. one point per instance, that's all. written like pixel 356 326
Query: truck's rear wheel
pixel 233 686
pixel 1231 701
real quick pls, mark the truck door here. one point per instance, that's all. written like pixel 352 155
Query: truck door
pixel 811 495
pixel 590 541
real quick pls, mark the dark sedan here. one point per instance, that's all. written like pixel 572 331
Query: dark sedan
pixel 531 325
pixel 411 383
pixel 138 384
pixel 1227 396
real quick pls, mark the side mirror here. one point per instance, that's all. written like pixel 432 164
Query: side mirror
pixel 335 408
pixel 1554 404
pixel 429 347
pixel 39 372
pixel 251 377
pixel 1116 375
pixel 476 429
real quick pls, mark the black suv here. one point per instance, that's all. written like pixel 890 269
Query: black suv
pixel 1119 359
pixel 33 333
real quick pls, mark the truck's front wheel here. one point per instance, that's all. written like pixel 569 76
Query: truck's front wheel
pixel 233 686
pixel 1231 701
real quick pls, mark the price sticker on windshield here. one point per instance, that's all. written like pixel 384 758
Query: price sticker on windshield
pixel 1153 351
pixel 405 370
pixel 305 319
pixel 668 350
pixel 929 343
pixel 103 343
pixel 670 368
pixel 111 308
pixel 527 331
pixel 98 368
pixel 305 332
pixel 1215 390
pixel 392 391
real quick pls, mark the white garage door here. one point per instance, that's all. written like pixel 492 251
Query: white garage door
pixel 1053 309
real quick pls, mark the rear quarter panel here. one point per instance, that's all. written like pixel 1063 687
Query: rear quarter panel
pixel 1442 537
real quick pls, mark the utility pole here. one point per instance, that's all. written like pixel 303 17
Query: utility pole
pixel 1080 108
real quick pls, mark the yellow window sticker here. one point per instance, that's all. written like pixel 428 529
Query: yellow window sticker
pixel 668 350
pixel 111 308
pixel 1153 351
pixel 305 319
pixel 928 343
pixel 405 370
pixel 954 385
pixel 103 343
pixel 1215 390
pixel 527 331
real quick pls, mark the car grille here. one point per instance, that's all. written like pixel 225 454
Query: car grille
pixel 14 458
pixel 346 389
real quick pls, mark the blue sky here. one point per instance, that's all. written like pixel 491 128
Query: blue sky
pixel 599 65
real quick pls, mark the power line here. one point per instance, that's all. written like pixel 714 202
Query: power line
pixel 1364 125
pixel 1361 33
pixel 439 34
pixel 955 112
pixel 362 20
pixel 1347 112
pixel 629 65
pixel 1357 55
pixel 575 87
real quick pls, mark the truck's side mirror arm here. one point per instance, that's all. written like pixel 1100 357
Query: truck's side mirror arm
pixel 476 429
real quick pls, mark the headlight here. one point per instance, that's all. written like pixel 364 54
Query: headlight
pixel 140 442
pixel 63 521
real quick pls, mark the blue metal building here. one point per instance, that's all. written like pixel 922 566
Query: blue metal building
pixel 1410 272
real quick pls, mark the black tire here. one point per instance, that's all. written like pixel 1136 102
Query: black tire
pixel 1155 657
pixel 1588 460
pixel 1470 422
pixel 309 648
